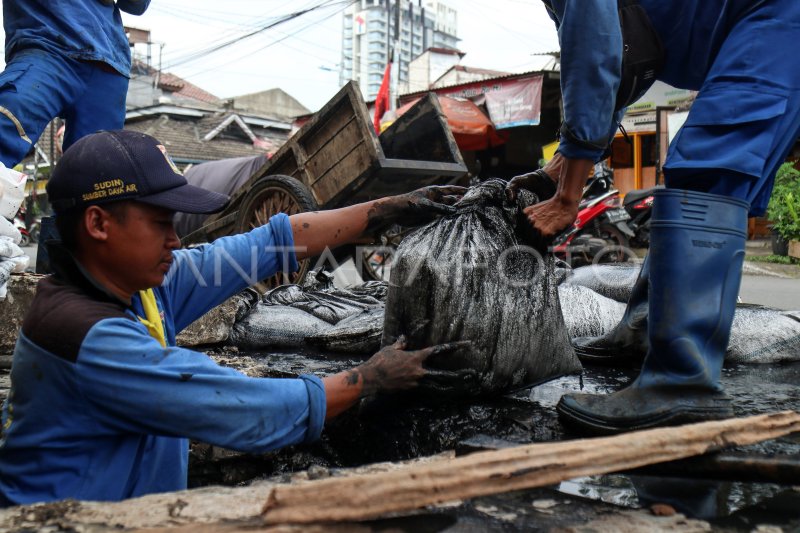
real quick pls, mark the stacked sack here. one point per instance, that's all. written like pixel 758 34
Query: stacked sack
pixel 12 258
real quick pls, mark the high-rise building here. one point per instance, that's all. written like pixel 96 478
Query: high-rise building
pixel 368 34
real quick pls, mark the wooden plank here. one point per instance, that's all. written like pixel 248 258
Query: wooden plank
pixel 341 142
pixel 480 474
pixel 342 172
pixel 422 132
pixel 722 466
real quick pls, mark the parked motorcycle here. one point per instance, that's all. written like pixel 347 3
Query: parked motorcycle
pixel 600 232
pixel 19 223
pixel 28 226
pixel 639 205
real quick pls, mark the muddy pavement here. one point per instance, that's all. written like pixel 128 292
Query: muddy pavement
pixel 399 428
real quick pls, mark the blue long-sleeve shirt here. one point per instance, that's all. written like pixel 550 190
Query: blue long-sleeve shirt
pixel 89 30
pixel 589 34
pixel 99 410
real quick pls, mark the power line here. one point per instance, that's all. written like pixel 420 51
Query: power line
pixel 285 37
pixel 204 53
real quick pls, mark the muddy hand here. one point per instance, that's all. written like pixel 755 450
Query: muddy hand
pixel 461 381
pixel 538 182
pixel 550 218
pixel 394 368
pixel 424 205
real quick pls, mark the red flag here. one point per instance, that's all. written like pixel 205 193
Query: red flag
pixel 382 99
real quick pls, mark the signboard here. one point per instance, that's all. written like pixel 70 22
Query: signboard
pixel 510 103
pixel 360 23
pixel 641 123
pixel 661 95
pixel 675 122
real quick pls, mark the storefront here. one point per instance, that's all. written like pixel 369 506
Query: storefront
pixel 650 125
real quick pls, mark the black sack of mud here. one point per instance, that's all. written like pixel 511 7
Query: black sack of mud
pixel 473 276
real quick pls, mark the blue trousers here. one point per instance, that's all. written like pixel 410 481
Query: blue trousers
pixel 746 118
pixel 37 86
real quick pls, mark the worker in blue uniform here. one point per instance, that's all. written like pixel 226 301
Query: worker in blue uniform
pixel 63 59
pixel 102 401
pixel 720 167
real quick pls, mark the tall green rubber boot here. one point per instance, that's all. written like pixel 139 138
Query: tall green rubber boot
pixel 697 250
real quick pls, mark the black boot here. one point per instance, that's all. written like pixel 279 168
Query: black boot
pixel 696 256
pixel 626 344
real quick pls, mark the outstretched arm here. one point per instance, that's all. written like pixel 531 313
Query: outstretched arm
pixel 393 369
pixel 316 230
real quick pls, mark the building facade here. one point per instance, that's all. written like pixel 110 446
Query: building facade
pixel 368 34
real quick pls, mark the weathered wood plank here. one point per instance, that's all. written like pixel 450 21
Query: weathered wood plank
pixel 371 496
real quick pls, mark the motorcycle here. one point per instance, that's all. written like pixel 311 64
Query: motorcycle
pixel 639 205
pixel 600 232
pixel 19 223
pixel 29 227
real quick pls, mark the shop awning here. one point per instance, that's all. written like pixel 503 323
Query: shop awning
pixel 471 128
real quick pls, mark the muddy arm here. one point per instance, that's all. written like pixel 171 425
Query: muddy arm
pixel 316 230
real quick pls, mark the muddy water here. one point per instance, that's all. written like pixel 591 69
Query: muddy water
pixel 402 428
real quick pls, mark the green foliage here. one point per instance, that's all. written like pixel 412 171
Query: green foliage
pixel 777 259
pixel 784 206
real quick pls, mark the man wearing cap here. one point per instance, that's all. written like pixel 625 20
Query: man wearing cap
pixel 102 401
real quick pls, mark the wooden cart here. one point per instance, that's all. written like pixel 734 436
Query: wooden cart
pixel 336 159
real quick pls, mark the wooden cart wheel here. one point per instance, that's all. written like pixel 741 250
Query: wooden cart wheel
pixel 267 197
pixel 376 260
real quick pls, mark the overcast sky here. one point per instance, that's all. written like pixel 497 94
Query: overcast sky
pixel 302 56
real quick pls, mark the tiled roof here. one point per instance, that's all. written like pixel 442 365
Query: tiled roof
pixel 174 84
pixel 183 138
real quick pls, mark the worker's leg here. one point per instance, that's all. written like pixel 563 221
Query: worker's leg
pixel 100 104
pixel 696 255
pixel 747 115
pixel 34 88
pixel 739 130
pixel 626 344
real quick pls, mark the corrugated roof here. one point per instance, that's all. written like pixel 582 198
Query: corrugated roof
pixel 408 96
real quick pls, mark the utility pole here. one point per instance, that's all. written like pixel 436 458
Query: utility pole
pixel 396 53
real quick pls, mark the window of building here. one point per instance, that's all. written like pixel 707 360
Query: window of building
pixel 649 154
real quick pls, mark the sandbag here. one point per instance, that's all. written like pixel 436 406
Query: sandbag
pixel 588 313
pixel 763 335
pixel 470 276
pixel 359 333
pixel 613 281
pixel 275 326
pixel 330 304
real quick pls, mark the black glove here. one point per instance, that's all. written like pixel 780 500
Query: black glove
pixel 416 208
pixel 538 182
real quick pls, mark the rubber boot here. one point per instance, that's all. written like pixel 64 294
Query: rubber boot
pixel 626 344
pixel 696 257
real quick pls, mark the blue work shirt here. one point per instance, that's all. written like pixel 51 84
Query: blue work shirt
pixel 99 410
pixel 88 30
pixel 692 31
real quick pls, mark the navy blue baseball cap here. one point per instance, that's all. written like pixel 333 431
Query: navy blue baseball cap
pixel 110 166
